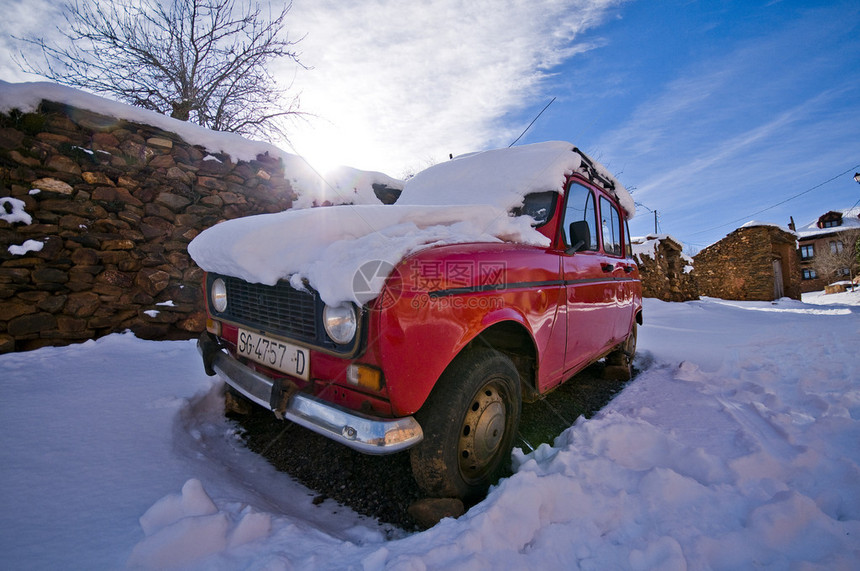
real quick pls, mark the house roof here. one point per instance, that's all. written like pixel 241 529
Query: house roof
pixel 850 220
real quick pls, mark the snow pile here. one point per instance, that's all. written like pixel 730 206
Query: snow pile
pixel 688 267
pixel 758 223
pixel 647 245
pixel 821 298
pixel 735 447
pixel 344 185
pixel 27 246
pixel 12 210
pixel 181 529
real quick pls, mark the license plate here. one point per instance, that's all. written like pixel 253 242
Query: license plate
pixel 274 353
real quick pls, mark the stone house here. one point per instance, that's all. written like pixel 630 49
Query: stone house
pixel 827 233
pixel 757 262
pixel 666 272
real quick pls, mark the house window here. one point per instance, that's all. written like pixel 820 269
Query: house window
pixel 830 220
pixel 836 247
pixel 809 274
pixel 806 252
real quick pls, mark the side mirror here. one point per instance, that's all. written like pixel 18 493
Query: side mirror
pixel 580 236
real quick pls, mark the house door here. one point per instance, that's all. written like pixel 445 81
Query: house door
pixel 778 291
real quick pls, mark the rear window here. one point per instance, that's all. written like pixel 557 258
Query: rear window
pixel 538 205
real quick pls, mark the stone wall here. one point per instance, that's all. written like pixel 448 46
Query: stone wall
pixel 741 265
pixel 113 206
pixel 665 273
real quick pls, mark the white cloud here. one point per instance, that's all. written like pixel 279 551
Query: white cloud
pixel 23 19
pixel 397 85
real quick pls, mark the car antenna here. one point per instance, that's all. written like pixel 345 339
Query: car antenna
pixel 532 123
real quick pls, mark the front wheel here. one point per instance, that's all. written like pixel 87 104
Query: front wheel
pixel 469 423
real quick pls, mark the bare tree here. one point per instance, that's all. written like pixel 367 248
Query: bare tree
pixel 839 260
pixel 204 61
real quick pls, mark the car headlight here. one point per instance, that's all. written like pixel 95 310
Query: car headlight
pixel 219 295
pixel 340 322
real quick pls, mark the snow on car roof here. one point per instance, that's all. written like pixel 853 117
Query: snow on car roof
pixel 502 177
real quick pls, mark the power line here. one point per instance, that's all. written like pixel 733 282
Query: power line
pixel 749 216
pixel 532 123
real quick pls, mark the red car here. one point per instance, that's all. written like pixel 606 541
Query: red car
pixel 441 355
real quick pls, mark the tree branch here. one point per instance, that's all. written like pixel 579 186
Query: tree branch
pixel 199 60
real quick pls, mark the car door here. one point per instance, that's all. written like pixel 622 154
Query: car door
pixel 619 270
pixel 591 293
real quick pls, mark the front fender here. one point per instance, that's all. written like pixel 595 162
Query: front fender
pixel 419 336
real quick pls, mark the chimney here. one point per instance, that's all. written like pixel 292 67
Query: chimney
pixel 791 224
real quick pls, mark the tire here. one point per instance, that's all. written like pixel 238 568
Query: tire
pixel 619 363
pixel 469 422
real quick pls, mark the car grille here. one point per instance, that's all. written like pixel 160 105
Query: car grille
pixel 278 309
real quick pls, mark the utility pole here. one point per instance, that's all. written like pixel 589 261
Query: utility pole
pixel 655 215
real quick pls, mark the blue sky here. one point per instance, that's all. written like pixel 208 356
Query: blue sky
pixel 710 112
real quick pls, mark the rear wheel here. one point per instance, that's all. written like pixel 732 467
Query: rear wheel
pixel 619 363
pixel 469 423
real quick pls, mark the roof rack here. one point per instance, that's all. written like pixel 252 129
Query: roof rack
pixel 593 172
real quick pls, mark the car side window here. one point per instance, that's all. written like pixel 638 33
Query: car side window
pixel 610 221
pixel 628 245
pixel 580 207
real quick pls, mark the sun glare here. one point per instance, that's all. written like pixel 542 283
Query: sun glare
pixel 326 146
pixel 316 147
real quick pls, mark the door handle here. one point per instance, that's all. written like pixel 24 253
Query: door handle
pixel 607 267
pixel 628 269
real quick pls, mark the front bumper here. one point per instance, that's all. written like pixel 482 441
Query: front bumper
pixel 364 433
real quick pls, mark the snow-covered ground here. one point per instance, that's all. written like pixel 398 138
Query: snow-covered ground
pixel 737 446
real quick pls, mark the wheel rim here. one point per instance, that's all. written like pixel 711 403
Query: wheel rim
pixel 482 432
pixel 631 343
